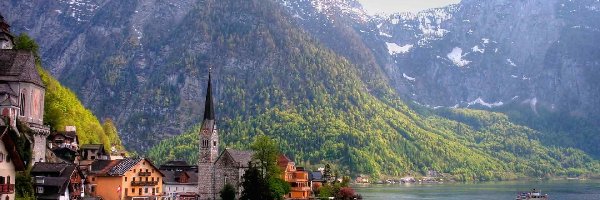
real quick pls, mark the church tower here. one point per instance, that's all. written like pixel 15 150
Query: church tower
pixel 209 148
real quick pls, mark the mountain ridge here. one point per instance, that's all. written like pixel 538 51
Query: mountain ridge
pixel 274 74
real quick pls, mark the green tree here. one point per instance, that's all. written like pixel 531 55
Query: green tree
pixel 228 192
pixel 24 42
pixel 23 186
pixel 255 186
pixel 111 132
pixel 279 187
pixel 266 153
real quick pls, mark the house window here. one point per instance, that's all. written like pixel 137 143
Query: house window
pixel 146 190
pixel 133 170
pixel 22 104
pixel 126 178
pixel 132 190
pixel 2 180
pixel 146 170
pixel 214 143
pixel 93 188
pixel 140 191
pixel 1 157
pixel 40 190
pixel 8 180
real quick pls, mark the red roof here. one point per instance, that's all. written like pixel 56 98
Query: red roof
pixel 283 161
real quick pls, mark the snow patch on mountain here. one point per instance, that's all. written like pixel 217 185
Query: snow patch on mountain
pixel 80 10
pixel 456 57
pixel 408 77
pixel 483 103
pixel 394 48
pixel 511 62
pixel 477 49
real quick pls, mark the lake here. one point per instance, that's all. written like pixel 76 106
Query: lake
pixel 556 189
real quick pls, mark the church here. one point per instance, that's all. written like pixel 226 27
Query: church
pixel 22 91
pixel 215 169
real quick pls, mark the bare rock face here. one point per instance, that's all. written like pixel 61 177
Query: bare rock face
pixel 494 53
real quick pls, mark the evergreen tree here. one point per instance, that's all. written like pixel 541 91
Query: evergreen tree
pixel 255 186
pixel 228 192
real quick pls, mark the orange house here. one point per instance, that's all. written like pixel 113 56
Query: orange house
pixel 125 179
pixel 297 177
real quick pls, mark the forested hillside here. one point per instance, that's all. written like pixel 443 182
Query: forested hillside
pixel 318 108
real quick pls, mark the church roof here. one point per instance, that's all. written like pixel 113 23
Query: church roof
pixel 240 156
pixel 18 66
pixel 209 110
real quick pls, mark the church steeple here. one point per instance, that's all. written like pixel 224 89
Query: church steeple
pixel 208 147
pixel 209 110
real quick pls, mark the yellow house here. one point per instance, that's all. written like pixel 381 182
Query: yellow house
pixel 125 179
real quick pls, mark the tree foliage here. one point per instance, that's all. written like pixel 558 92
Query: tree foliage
pixel 228 192
pixel 255 185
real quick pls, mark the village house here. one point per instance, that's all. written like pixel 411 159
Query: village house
pixel 296 176
pixel 316 180
pixel 10 161
pixel 22 91
pixel 94 152
pixel 57 181
pixel 180 185
pixel 64 144
pixel 125 179
pixel 180 181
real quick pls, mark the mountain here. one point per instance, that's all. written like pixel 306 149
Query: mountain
pixel 534 60
pixel 317 76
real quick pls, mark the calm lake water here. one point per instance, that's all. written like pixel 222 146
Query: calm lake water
pixel 563 190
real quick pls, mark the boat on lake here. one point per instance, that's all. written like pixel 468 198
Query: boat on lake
pixel 533 195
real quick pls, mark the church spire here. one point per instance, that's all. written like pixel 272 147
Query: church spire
pixel 209 110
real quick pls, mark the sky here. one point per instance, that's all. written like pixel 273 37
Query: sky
pixel 392 6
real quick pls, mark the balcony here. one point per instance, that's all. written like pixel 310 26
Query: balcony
pixel 7 188
pixel 300 189
pixel 144 183
pixel 144 174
